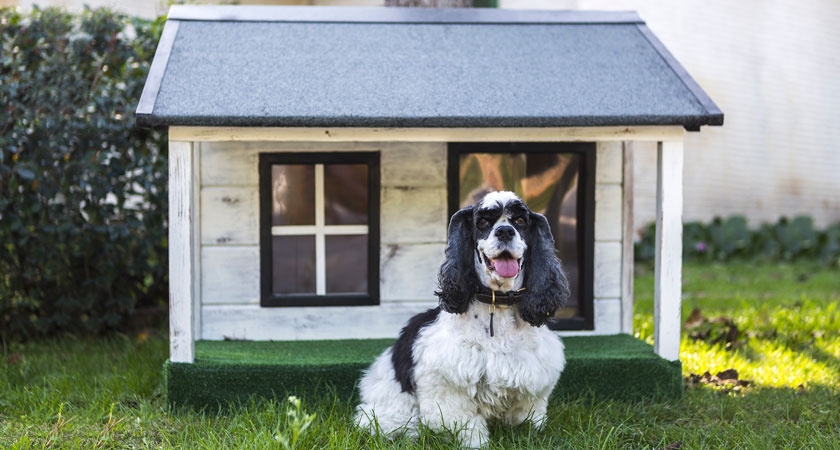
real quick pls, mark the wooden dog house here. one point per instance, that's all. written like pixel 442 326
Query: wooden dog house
pixel 316 154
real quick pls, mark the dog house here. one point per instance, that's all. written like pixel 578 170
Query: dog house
pixel 317 153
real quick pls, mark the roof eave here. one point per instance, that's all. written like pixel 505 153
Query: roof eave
pixel 713 113
pixel 146 105
pixel 691 123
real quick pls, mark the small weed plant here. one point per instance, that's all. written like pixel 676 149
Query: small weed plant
pixel 297 423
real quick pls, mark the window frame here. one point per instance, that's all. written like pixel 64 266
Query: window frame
pixel 585 215
pixel 267 297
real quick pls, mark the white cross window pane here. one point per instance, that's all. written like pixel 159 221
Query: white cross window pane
pixel 337 231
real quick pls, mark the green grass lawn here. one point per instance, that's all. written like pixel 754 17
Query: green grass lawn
pixel 777 325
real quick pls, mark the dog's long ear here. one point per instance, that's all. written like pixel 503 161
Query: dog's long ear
pixel 547 288
pixel 457 280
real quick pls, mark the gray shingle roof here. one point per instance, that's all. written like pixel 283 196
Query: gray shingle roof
pixel 390 67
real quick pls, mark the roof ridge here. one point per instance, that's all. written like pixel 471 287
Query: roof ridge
pixel 342 14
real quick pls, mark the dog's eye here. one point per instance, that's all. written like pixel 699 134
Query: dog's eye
pixel 482 223
pixel 519 221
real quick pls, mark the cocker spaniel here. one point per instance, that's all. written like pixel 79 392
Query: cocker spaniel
pixel 483 354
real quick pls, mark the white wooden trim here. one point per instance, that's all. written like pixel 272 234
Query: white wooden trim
pixel 181 251
pixel 196 185
pixel 608 162
pixel 582 134
pixel 607 315
pixel 252 322
pixel 628 233
pixel 668 279
pixel 607 277
pixel 302 230
pixel 320 239
pixel 608 212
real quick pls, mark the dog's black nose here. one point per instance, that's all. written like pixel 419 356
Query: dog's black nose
pixel 505 233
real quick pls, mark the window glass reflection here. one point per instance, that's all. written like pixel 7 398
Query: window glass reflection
pixel 548 183
pixel 347 264
pixel 346 194
pixel 292 194
pixel 293 264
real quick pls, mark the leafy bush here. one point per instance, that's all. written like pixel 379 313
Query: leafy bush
pixel 82 191
pixel 730 238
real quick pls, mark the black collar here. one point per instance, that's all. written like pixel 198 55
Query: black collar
pixel 485 295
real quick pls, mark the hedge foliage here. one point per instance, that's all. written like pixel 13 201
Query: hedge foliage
pixel 729 239
pixel 82 191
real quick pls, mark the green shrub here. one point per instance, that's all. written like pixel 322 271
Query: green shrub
pixel 730 239
pixel 82 191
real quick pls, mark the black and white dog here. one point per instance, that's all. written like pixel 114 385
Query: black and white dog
pixel 483 354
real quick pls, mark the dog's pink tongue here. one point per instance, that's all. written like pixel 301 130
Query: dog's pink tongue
pixel 507 268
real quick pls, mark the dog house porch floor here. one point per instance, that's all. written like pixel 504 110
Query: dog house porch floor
pixel 619 367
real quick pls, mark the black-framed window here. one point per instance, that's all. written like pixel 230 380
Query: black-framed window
pixel 319 229
pixel 554 179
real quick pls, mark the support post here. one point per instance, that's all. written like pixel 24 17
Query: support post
pixel 182 217
pixel 196 271
pixel 668 280
pixel 627 236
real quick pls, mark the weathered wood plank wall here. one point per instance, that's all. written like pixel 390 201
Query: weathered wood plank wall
pixel 413 236
pixel 608 237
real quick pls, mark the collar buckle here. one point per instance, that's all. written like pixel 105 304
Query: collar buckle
pixel 495 298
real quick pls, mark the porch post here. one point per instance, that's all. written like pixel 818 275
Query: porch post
pixel 668 287
pixel 628 231
pixel 182 216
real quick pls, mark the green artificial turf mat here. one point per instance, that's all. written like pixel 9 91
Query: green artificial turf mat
pixel 296 353
pixel 618 367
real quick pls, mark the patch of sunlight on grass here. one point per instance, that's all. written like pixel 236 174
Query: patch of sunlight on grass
pixel 643 327
pixel 830 347
pixel 780 366
pixel 800 319
pixel 787 318
pixel 768 364
pixel 698 357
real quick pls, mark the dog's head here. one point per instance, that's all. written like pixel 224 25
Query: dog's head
pixel 501 244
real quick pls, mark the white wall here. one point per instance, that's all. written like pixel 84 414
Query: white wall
pixel 773 67
pixel 609 203
pixel 413 222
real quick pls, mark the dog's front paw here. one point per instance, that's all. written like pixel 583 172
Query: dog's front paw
pixel 474 434
pixel 539 421
pixel 474 439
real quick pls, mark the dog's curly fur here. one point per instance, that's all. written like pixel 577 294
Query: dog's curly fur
pixel 446 370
